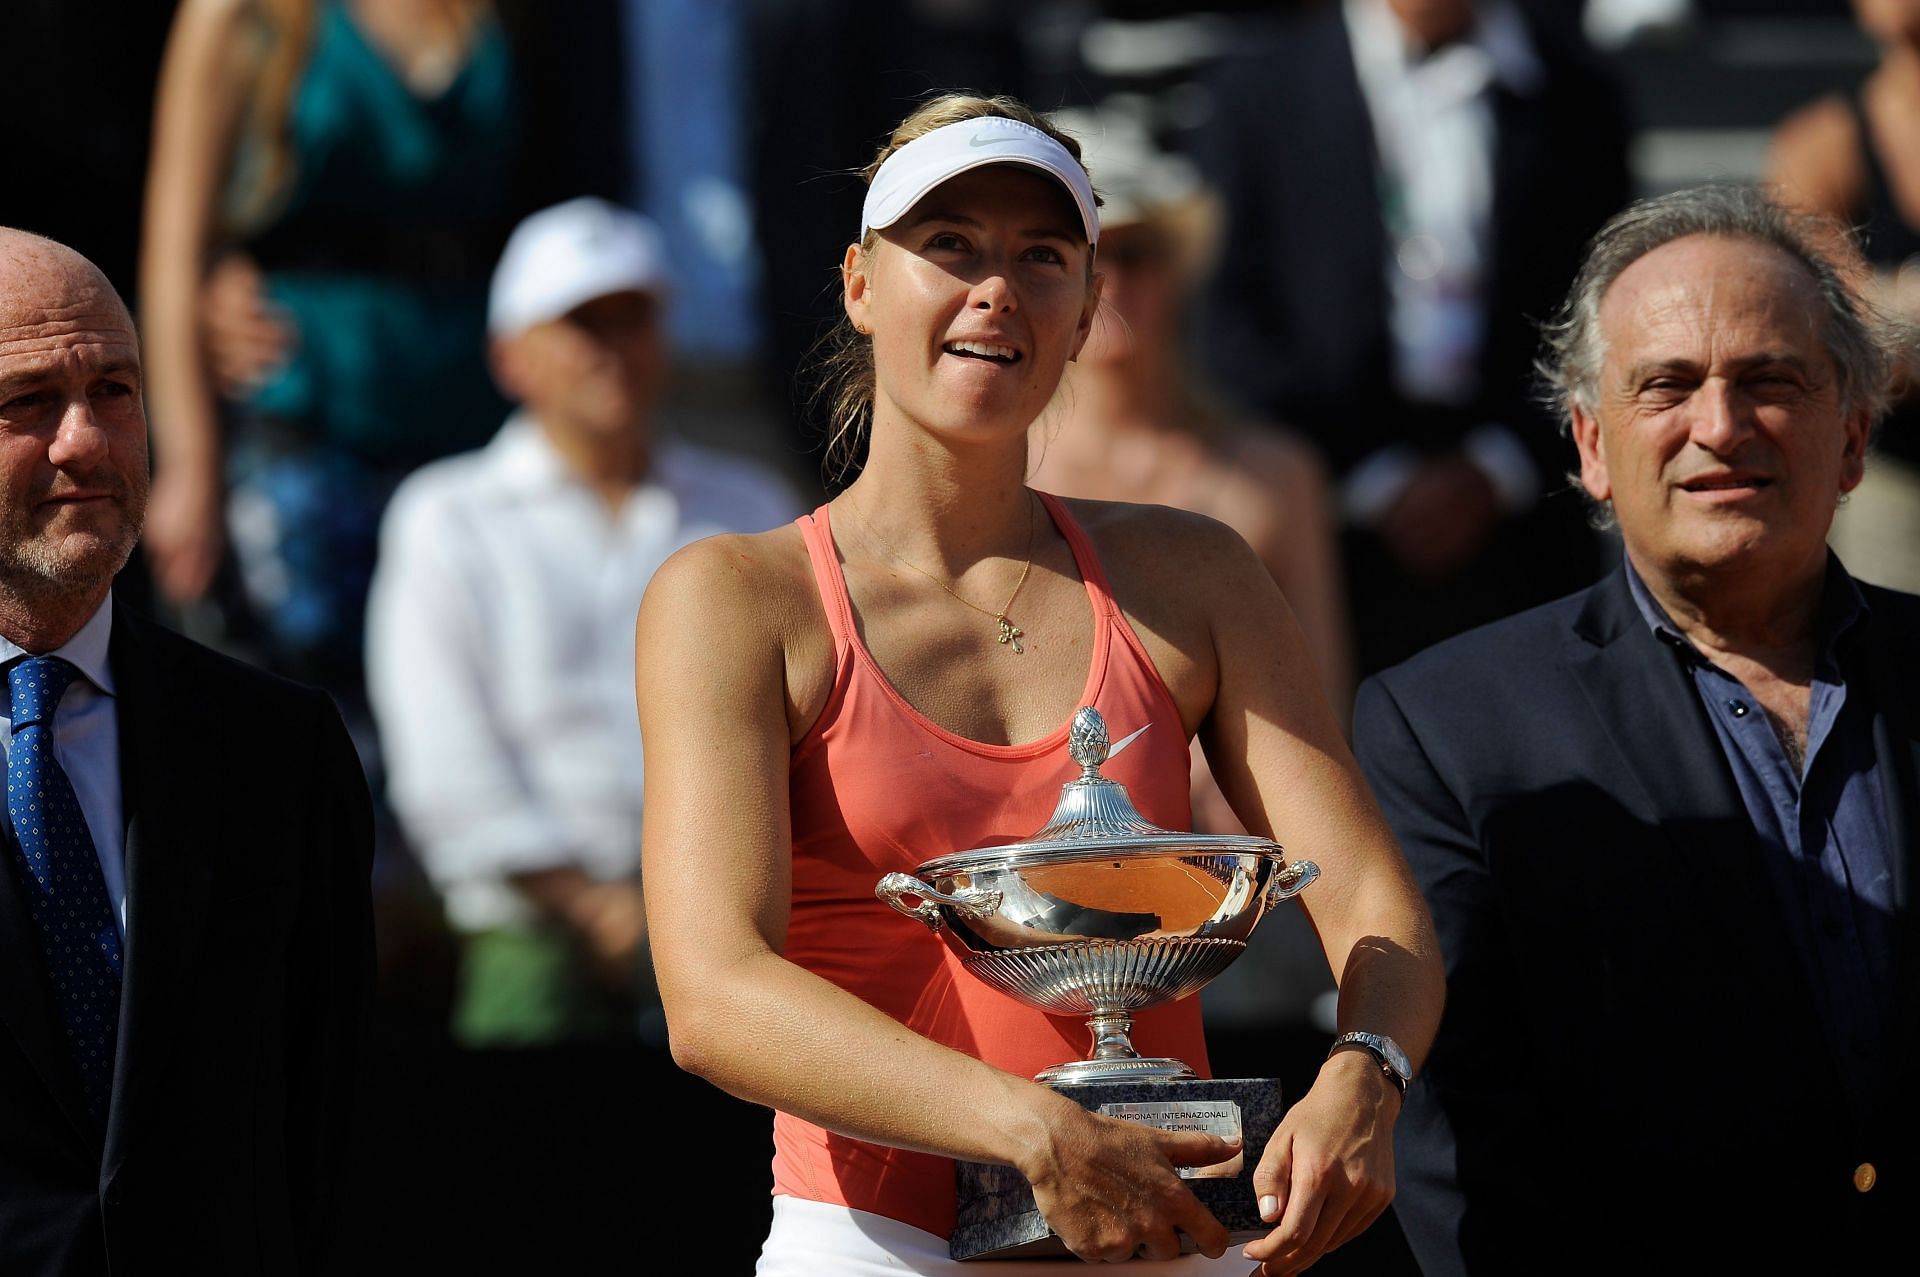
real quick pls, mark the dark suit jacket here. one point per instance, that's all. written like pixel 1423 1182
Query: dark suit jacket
pixel 1296 317
pixel 249 964
pixel 1630 1046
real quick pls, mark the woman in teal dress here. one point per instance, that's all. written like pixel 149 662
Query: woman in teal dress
pixel 341 171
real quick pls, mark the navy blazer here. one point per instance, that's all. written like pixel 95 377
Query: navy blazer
pixel 249 971
pixel 1630 1047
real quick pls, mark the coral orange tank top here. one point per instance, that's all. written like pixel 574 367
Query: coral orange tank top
pixel 877 787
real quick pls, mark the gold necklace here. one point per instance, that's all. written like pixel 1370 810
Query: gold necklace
pixel 1010 634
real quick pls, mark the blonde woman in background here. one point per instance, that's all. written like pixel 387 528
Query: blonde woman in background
pixel 328 190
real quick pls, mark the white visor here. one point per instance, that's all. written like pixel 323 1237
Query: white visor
pixel 922 164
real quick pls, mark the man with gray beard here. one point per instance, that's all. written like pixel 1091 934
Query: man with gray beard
pixel 1667 826
pixel 185 923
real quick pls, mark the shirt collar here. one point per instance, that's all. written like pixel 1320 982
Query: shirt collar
pixel 86 651
pixel 1842 608
pixel 522 457
pixel 525 461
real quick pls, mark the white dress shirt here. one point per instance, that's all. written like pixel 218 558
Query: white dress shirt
pixel 1434 131
pixel 500 655
pixel 86 743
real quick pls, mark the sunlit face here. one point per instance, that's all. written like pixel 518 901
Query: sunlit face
pixel 598 369
pixel 1140 297
pixel 1717 431
pixel 73 430
pixel 975 300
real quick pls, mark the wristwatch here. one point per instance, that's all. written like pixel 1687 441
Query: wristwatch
pixel 1386 1052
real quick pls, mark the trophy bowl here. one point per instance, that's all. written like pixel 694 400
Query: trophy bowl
pixel 1100 913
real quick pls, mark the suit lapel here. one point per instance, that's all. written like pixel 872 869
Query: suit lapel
pixel 1646 703
pixel 28 1012
pixel 171 830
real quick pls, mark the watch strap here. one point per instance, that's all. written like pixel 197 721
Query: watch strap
pixel 1376 1046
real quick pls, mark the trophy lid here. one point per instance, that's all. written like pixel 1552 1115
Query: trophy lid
pixel 1094 818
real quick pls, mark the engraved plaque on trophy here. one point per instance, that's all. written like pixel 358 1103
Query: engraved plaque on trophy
pixel 1103 914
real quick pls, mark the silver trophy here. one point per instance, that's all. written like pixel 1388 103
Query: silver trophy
pixel 1101 913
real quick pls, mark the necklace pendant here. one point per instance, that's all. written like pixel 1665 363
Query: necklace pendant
pixel 1010 633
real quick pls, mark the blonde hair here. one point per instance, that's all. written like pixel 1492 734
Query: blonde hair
pixel 844 356
pixel 281 37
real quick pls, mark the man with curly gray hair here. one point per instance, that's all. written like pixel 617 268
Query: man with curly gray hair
pixel 1666 825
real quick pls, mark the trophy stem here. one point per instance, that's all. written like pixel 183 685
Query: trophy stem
pixel 1113 1058
pixel 1111 1025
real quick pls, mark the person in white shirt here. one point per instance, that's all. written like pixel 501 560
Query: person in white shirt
pixel 500 633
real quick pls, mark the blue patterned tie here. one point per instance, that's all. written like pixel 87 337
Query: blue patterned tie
pixel 66 895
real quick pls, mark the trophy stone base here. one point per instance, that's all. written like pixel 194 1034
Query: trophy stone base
pixel 998 1220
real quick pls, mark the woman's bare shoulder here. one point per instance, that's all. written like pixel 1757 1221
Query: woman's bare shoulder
pixel 1138 523
pixel 739 616
pixel 1162 547
pixel 758 582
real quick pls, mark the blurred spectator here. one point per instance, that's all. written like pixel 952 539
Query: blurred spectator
pixel 1409 183
pixel 343 168
pixel 1136 422
pixel 1855 156
pixel 500 660
pixel 500 630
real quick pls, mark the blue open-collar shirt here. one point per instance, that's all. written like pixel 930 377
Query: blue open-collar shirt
pixel 1823 829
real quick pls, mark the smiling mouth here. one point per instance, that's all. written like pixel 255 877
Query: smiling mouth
pixel 985 350
pixel 1741 484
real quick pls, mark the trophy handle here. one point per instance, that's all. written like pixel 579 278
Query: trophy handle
pixel 898 888
pixel 1291 881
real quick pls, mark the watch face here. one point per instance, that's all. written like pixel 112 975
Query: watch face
pixel 1386 1049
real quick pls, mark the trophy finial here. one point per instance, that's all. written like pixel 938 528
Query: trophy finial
pixel 1087 739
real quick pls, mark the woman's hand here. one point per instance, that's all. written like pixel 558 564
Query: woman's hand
pixel 1109 1188
pixel 185 531
pixel 1327 1173
pixel 246 338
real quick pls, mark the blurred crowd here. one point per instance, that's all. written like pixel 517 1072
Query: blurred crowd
pixel 461 316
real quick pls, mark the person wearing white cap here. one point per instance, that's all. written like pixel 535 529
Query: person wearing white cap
pixel 499 665
pixel 891 678
pixel 500 631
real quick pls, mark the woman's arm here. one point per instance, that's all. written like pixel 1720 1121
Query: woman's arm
pixel 1283 764
pixel 203 86
pixel 713 641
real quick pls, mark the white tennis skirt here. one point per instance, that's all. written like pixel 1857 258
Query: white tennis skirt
pixel 816 1239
